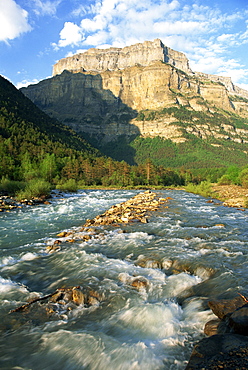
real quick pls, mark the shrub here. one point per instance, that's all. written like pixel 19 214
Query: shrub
pixel 35 188
pixel 11 187
pixel 204 189
pixel 69 185
pixel 243 178
pixel 224 180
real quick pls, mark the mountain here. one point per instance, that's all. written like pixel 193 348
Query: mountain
pixel 18 108
pixel 26 130
pixel 144 101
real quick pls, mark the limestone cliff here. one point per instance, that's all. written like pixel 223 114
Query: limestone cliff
pixel 110 93
pixel 99 60
pixel 226 81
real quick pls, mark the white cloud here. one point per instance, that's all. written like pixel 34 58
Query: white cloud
pixel 46 7
pixel 225 37
pixel 243 86
pixel 13 20
pixel 91 26
pixel 120 21
pixel 203 33
pixel 25 83
pixel 81 10
pixel 98 38
pixel 71 34
pixel 70 54
pixel 180 27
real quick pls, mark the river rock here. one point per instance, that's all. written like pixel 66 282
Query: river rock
pixel 166 263
pixel 138 282
pixel 227 346
pixel 93 301
pixel 238 320
pixel 224 351
pixel 204 272
pixel 148 262
pixel 55 247
pixel 77 296
pixel 64 234
pixel 134 209
pixel 225 306
pixel 211 327
pixel 181 266
pixel 86 237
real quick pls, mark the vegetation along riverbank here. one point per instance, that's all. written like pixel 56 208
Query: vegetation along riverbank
pixel 230 195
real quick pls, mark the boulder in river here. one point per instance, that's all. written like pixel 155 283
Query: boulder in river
pixel 148 262
pixel 227 345
pixel 138 282
pixel 58 303
pixel 238 320
pixel 225 306
pixel 223 351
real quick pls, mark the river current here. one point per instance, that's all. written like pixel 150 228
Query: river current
pixel 202 252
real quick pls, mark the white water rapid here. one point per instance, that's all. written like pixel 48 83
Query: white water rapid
pixel 188 253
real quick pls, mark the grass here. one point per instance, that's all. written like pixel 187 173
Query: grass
pixel 204 189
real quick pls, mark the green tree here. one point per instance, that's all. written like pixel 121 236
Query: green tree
pixel 243 177
pixel 48 168
pixel 29 168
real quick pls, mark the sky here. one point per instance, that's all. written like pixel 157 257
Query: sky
pixel 35 34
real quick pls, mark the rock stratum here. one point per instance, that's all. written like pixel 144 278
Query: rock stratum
pixel 112 59
pixel 112 93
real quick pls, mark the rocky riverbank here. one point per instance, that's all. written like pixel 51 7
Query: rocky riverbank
pixel 227 345
pixel 231 195
pixel 8 203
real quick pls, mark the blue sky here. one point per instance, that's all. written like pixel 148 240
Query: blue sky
pixel 34 34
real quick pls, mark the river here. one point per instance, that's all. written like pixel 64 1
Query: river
pixel 202 253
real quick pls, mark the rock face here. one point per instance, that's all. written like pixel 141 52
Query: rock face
pixel 101 93
pixel 227 346
pixel 226 81
pixel 99 60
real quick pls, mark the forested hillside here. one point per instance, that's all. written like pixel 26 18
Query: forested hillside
pixel 208 140
pixel 38 153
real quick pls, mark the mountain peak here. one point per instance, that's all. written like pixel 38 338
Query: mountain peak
pixel 99 60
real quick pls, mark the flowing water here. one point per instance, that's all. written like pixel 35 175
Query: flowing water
pixel 190 252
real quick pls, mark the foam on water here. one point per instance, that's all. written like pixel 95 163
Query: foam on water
pixel 84 350
pixel 188 260
pixel 150 321
pixel 8 286
pixel 28 256
pixel 6 261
